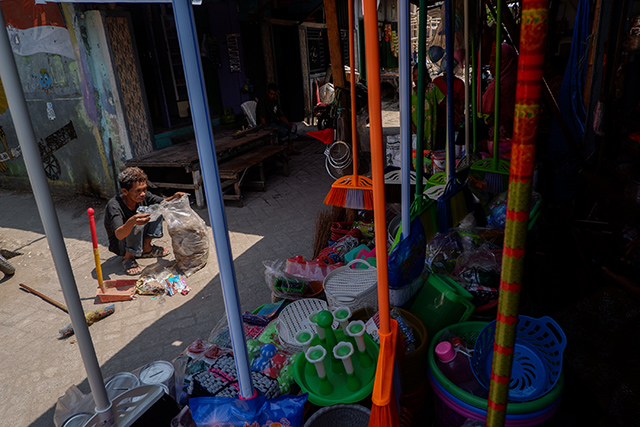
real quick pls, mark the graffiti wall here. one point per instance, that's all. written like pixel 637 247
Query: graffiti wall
pixel 68 85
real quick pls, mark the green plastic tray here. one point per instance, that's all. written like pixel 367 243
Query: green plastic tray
pixel 340 394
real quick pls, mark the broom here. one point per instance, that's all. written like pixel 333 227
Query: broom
pixel 469 157
pixel 535 18
pixel 495 170
pixel 422 207
pixel 455 202
pixel 352 191
pixel 384 410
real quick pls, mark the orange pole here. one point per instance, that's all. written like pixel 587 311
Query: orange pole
pixel 377 159
pixel 352 85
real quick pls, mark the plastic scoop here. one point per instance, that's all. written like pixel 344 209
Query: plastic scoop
pixel 356 331
pixel 316 355
pixel 343 351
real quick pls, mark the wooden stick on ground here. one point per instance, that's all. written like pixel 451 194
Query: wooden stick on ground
pixel 44 297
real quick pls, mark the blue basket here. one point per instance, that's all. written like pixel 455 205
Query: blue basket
pixel 537 357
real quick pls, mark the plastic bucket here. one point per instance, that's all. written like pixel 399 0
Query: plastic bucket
pixel 468 332
pixel 466 411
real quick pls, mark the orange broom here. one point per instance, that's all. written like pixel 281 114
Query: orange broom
pixel 384 411
pixel 352 191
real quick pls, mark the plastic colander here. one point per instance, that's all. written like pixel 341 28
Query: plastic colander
pixel 537 357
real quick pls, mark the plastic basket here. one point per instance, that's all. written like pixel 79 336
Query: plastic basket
pixel 442 302
pixel 340 415
pixel 352 287
pixel 294 318
pixel 468 332
pixel 468 411
pixel 537 357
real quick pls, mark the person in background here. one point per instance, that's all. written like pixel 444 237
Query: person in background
pixel 432 98
pixel 121 217
pixel 269 112
pixel 507 82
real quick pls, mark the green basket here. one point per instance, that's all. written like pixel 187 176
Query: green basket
pixel 468 332
pixel 442 302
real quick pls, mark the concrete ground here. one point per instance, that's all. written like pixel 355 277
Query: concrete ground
pixel 37 367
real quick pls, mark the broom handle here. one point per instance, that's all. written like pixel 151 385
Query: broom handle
pixel 422 59
pixel 352 84
pixel 377 160
pixel 96 251
pixel 525 124
pixel 496 83
pixel 467 127
pixel 448 28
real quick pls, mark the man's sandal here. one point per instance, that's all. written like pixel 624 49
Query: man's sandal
pixel 155 252
pixel 131 267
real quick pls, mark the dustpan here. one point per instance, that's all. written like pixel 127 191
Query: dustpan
pixel 117 290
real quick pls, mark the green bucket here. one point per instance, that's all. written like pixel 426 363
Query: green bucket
pixel 468 332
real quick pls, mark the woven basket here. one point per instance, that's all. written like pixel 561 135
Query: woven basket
pixel 352 287
pixel 294 318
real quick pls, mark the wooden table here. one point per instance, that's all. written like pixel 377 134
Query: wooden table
pixel 227 145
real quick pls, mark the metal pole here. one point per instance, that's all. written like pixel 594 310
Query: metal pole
pixel 405 110
pixel 49 217
pixel 188 39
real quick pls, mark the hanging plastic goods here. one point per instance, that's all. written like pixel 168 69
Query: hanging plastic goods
pixel 454 363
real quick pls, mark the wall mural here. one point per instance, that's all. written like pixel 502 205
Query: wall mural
pixel 51 143
pixel 7 154
pixel 45 80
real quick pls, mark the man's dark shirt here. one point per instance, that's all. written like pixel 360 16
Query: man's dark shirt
pixel 116 213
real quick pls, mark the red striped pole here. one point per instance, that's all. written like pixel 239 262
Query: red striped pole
pixel 530 65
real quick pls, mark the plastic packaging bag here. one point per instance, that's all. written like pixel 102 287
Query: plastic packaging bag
pixel 406 260
pixel 288 286
pixel 188 233
pixel 442 252
pixel 258 411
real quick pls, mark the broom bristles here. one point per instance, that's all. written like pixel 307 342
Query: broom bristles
pixel 350 198
pixel 336 197
pixel 495 182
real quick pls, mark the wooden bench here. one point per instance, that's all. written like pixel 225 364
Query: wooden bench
pixel 248 148
pixel 233 172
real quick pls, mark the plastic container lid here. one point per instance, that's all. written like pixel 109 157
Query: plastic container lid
pixel 445 352
pixel 159 372
pixel 77 420
pixel 120 383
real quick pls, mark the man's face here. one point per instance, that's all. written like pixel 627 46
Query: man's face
pixel 137 192
pixel 272 94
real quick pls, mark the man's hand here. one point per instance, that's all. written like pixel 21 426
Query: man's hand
pixel 176 195
pixel 141 218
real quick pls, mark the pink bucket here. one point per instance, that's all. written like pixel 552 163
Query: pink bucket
pixel 439 161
